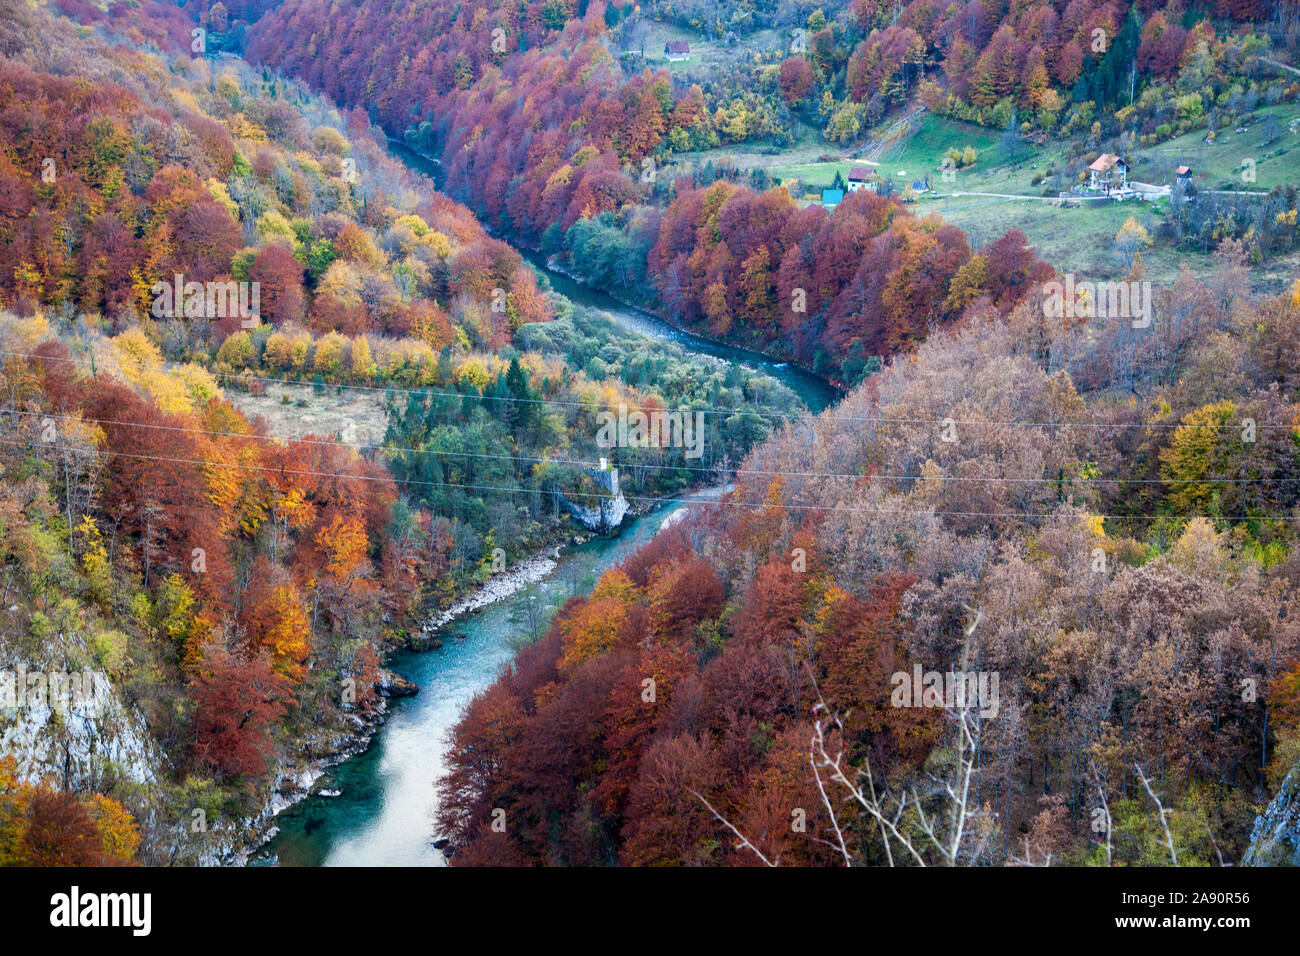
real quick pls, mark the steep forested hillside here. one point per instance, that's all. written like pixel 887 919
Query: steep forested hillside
pixel 572 166
pixel 1122 561
pixel 234 580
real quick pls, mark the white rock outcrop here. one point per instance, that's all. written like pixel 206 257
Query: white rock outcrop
pixel 608 513
pixel 75 740
pixel 1275 840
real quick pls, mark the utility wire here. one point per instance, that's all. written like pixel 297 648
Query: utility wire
pixel 712 410
pixel 1071 479
pixel 663 499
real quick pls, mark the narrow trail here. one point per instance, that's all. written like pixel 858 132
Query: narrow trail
pixel 891 135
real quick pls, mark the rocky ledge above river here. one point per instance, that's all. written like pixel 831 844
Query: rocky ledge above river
pixel 608 509
pixel 392 684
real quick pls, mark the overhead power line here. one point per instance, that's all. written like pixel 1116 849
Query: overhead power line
pixel 803 415
pixel 596 465
pixel 659 499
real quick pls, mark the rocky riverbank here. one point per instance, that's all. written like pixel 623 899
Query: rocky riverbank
pixel 497 587
pixel 294 781
pixel 299 775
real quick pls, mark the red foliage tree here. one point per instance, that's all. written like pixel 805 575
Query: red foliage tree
pixel 279 277
pixel 238 698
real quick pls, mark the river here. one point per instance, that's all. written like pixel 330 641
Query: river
pixel 382 813
pixel 815 392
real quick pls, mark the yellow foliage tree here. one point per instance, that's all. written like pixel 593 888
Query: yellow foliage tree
pixel 594 628
pixel 116 826
pixel 328 359
pixel 343 546
pixel 287 350
pixel 94 561
pixel 360 362
pixel 1131 239
pixel 341 281
pixel 1196 450
pixel 277 620
pixel 13 812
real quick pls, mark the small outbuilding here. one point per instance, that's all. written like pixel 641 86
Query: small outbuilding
pixel 677 50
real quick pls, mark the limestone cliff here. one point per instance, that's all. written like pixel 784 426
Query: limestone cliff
pixel 607 507
pixel 1275 840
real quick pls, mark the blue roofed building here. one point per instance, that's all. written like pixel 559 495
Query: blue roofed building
pixel 832 197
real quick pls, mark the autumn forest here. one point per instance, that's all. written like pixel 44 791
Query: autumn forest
pixel 745 433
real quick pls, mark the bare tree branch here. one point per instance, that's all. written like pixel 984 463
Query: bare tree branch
pixel 1164 821
pixel 744 841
